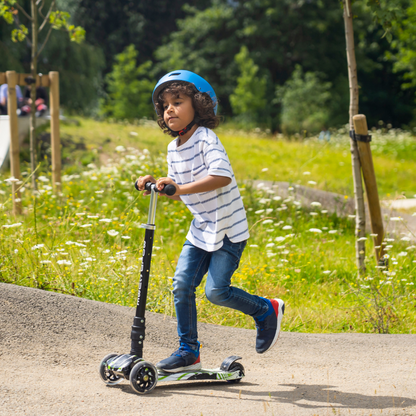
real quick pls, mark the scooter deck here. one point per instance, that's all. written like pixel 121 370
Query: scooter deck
pixel 203 374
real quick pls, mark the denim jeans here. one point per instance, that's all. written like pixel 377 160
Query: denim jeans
pixel 193 264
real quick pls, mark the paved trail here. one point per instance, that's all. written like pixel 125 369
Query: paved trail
pixel 51 345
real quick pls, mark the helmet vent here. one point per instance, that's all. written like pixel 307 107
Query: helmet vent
pixel 175 74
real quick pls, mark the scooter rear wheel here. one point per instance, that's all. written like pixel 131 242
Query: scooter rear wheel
pixel 143 377
pixel 106 375
pixel 236 367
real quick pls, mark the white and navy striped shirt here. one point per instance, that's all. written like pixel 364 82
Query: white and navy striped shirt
pixel 216 213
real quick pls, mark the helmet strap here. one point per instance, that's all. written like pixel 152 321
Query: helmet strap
pixel 186 129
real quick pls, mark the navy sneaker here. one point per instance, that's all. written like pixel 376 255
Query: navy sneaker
pixel 268 325
pixel 183 359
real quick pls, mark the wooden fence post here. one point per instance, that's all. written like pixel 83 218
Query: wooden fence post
pixel 367 167
pixel 14 139
pixel 55 137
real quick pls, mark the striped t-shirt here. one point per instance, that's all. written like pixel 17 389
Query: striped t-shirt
pixel 216 213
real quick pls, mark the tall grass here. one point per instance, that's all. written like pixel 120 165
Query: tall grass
pixel 87 241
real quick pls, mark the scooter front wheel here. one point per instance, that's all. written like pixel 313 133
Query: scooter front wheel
pixel 107 375
pixel 143 377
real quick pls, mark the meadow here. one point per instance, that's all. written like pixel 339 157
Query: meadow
pixel 86 240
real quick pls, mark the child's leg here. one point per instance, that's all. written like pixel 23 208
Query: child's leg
pixel 191 268
pixel 267 313
pixel 224 262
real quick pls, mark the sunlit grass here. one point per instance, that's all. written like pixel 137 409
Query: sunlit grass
pixel 87 240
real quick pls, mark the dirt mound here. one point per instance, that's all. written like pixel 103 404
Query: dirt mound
pixel 51 345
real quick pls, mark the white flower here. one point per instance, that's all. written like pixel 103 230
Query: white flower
pixel 269 254
pixel 332 231
pixel 267 221
pixel 279 239
pixel 311 182
pixel 260 185
pixel 324 211
pixel 402 254
pixel 17 224
pixel 126 237
pixel 315 230
pixel 277 198
pixel 106 251
pixel 287 227
pixel 351 216
pixel 120 149
pixel 313 213
pixel 291 188
pixel 373 235
pixel 316 204
pixel 93 216
pixel 113 233
pixel 265 169
pixel 65 262
pixel 306 173
pixel 253 245
pixel 45 261
pixel 38 246
pixel 11 179
pixel 326 272
pixel 80 214
pixel 260 211
pixel 396 219
pixel 86 225
pixel 105 220
pixel 362 239
pixel 270 245
pixel 409 284
pixel 269 210
pixel 43 179
pixel 405 239
pixel 80 245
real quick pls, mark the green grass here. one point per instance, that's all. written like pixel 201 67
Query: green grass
pixel 63 244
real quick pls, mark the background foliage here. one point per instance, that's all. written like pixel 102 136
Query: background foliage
pixel 271 37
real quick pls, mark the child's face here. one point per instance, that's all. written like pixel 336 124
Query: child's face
pixel 178 110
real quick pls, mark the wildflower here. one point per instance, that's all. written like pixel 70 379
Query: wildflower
pixel 362 239
pixel 324 211
pixel 402 254
pixel 326 272
pixel 265 169
pixel 280 239
pixel 260 211
pixel 306 173
pixel 260 185
pixel 267 221
pixel 270 245
pixel 365 287
pixel 93 216
pixel 332 231
pixel 38 246
pixel 45 261
pixel 290 188
pixel 80 245
pixel 277 198
pixel 396 219
pixel 269 210
pixel 64 262
pixel 80 214
pixel 125 237
pixel 17 224
pixel 351 216
pixel 106 251
pixel 11 180
pixel 410 284
pixel 105 220
pixel 316 204
pixel 405 239
pixel 287 227
pixel 373 235
pixel 311 182
pixel 113 233
pixel 313 213
pixel 315 230
pixel 86 225
pixel 120 149
pixel 269 254
pixel 254 245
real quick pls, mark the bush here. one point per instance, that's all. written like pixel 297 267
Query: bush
pixel 305 100
pixel 130 88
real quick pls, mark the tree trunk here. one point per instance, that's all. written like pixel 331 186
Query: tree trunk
pixel 356 165
pixel 33 70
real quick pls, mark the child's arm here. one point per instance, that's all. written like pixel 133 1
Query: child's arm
pixel 209 183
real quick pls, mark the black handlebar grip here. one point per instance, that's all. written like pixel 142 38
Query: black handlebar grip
pixel 168 189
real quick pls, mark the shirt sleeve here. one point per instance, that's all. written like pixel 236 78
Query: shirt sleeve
pixel 216 159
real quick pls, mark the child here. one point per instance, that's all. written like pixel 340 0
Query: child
pixel 199 168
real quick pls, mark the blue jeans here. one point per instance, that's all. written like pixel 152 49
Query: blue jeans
pixel 193 264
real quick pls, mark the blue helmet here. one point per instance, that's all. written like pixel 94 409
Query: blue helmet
pixel 187 76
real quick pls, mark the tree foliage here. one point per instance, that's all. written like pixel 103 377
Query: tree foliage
pixel 129 88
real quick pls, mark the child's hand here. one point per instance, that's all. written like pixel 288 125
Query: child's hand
pixel 142 181
pixel 162 182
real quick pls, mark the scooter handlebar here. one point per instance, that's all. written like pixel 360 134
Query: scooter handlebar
pixel 168 189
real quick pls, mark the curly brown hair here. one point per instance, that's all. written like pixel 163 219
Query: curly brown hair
pixel 201 102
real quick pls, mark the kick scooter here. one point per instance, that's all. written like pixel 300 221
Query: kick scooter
pixel 143 375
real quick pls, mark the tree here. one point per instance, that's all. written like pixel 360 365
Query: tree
pixel 249 98
pixel 14 12
pixel 129 88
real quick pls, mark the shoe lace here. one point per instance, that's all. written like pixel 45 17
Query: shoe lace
pixel 182 351
pixel 261 325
